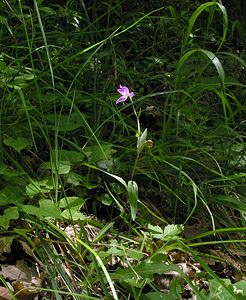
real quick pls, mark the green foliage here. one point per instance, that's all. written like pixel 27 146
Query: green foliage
pixel 219 292
pixel 170 232
pixel 134 177
pixel 132 189
pixel 18 144
pixel 9 214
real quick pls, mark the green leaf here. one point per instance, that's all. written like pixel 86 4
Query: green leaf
pixel 217 291
pixel 11 194
pixel 14 79
pixel 10 213
pixel 126 252
pixel 17 143
pixel 47 209
pixel 72 201
pixel 105 199
pixel 6 243
pixel 9 171
pixel 195 15
pixel 154 296
pixel 73 178
pixel 122 181
pixel 47 11
pixel 155 228
pixel 67 155
pixel 73 213
pixel 62 167
pixel 144 270
pixel 132 189
pixel 172 231
pixel 214 59
pixel 101 234
pixel 240 287
pixel 2 63
pixel 39 187
pixel 141 141
pixel 175 292
pixel 134 253
pixel 96 154
pixel 72 207
pixel 64 123
pixel 115 251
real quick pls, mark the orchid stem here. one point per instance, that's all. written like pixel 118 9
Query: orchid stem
pixel 138 137
pixel 135 113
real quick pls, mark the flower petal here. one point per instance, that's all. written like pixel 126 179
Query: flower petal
pixel 123 90
pixel 132 94
pixel 121 99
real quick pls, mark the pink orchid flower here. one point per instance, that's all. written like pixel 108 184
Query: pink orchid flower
pixel 125 93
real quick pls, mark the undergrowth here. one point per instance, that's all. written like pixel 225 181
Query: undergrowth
pixel 143 199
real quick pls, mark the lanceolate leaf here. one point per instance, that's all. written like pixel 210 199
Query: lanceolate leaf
pixel 132 189
pixel 141 141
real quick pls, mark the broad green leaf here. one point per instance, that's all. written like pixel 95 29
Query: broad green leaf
pixel 172 231
pixel 13 78
pixel 89 185
pixel 132 189
pixel 106 164
pixel 96 154
pixel 105 199
pixel 126 252
pixel 134 253
pixel 241 287
pixel 116 251
pixel 47 209
pixel 71 202
pixel 155 228
pixel 11 194
pixel 73 178
pixel 217 291
pixel 39 187
pixel 10 172
pixel 72 207
pixel 144 270
pixel 73 213
pixel 63 167
pixel 31 210
pixel 67 155
pixel 10 213
pixel 18 143
pixel 64 123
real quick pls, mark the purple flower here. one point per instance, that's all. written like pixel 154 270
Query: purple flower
pixel 124 91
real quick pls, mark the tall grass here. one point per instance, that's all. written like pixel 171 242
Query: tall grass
pixel 67 151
